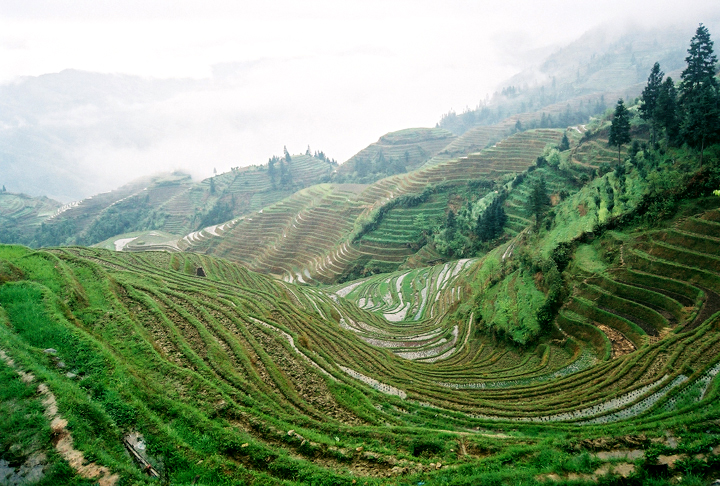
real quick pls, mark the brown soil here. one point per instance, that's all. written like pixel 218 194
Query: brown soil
pixel 651 331
pixel 620 344
pixel 617 444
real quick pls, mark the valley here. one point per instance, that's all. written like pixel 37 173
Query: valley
pixel 527 300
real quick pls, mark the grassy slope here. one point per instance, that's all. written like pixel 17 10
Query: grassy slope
pixel 201 367
pixel 309 236
pixel 171 203
pixel 21 214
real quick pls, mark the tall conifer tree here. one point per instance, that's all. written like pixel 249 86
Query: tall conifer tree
pixel 666 112
pixel 699 93
pixel 620 128
pixel 650 96
pixel 701 62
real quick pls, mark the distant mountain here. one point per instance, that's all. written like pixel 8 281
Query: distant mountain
pixel 604 63
pixel 64 135
pixel 48 121
pixel 173 204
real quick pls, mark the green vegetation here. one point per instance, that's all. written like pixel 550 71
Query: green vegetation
pixel 394 153
pixel 171 203
pixel 620 128
pixel 576 341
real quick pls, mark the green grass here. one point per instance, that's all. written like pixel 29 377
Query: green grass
pixel 510 365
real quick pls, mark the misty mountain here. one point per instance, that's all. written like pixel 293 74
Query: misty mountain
pixel 48 122
pixel 611 59
pixel 72 134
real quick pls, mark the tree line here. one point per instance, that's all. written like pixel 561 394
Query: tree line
pixel 686 113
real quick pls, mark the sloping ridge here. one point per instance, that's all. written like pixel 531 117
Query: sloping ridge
pixel 305 238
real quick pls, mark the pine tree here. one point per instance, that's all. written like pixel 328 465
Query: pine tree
pixel 271 170
pixel 564 143
pixel 701 63
pixel 283 173
pixel 701 124
pixel 666 111
pixel 620 128
pixel 539 200
pixel 699 93
pixel 650 96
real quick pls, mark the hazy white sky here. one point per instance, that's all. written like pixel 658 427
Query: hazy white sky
pixel 334 75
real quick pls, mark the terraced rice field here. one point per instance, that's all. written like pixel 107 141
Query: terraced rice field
pixel 284 238
pixel 517 205
pixel 311 377
pixel 474 140
pixel 413 146
pixel 31 211
pixel 513 154
pixel 305 238
pixel 414 303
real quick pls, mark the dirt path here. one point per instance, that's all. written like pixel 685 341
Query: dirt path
pixel 62 440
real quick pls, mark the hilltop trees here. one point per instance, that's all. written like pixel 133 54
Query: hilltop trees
pixel 699 93
pixel 691 113
pixel 272 172
pixel 700 71
pixel 620 128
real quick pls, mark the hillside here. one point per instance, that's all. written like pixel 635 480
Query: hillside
pixel 173 204
pixel 565 89
pixel 580 345
pixel 315 234
pixel 521 304
pixel 394 153
pixel 206 370
pixel 20 214
pixel 605 63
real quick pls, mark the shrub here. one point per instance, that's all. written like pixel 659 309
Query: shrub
pixel 426 447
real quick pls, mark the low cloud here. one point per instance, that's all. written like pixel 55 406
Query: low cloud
pixel 230 85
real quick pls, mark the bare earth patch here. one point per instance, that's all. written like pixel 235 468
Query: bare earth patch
pixel 620 344
pixel 62 440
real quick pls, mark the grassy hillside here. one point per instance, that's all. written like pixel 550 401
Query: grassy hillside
pixel 580 345
pixel 394 153
pixel 170 203
pixel 211 374
pixel 20 215
pixel 336 232
pixel 527 306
